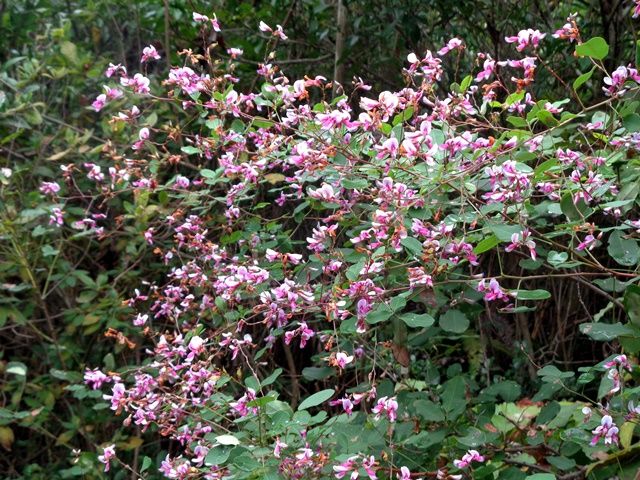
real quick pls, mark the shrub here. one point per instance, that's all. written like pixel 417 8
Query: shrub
pixel 334 266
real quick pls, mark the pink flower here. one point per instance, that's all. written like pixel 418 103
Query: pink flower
pixel 56 217
pixel 488 67
pixel 196 344
pixel 324 193
pixel 149 53
pixel 599 125
pixel 115 70
pixel 99 103
pixel 636 9
pixel 49 188
pixel 240 407
pixel 148 235
pixel 278 32
pixel 569 30
pixel 452 44
pixel 235 52
pixel 387 406
pixel 387 104
pixel 95 378
pixel 345 467
pixel 346 403
pixel 139 83
pixel 404 474
pixel 388 148
pixel 342 359
pixel 618 78
pixel 525 38
pixel 182 182
pixel 493 292
pixel 333 119
pixel 467 458
pixel 607 430
pixel 140 320
pixel 619 360
pixel 143 135
pixel 418 276
pixel 551 108
pixel 522 238
pixel 278 447
pixel 199 18
pixel 588 243
pixel 117 396
pixel 188 80
pixel 369 466
pixel 108 453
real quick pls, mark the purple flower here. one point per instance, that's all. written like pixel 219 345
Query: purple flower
pixel 108 453
pixel 452 44
pixel 467 458
pixel 95 378
pixel 149 53
pixel 607 430
pixel 526 38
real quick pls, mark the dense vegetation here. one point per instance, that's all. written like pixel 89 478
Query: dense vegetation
pixel 309 239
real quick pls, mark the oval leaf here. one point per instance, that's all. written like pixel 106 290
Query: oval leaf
pixel 454 321
pixel 595 47
pixel 414 320
pixel 317 399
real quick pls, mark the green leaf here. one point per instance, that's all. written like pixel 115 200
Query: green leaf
pixel 415 320
pixel 504 232
pixel 454 321
pixel 397 303
pixel 547 118
pixel 517 122
pixel 318 373
pixel 354 183
pixel 262 122
pixel 605 332
pixel 379 314
pixel 189 150
pixel 474 438
pixel 353 272
pixel 486 244
pixel 508 390
pixel 271 378
pixel 218 455
pixel 632 303
pixel 595 47
pixel 384 312
pixel 574 212
pixel 557 258
pixel 532 294
pixel 551 372
pixel 227 440
pixel 466 82
pixel 317 399
pixel 626 433
pixel 429 411
pixel 632 122
pixel 625 251
pixel 146 463
pixel 542 476
pixel 16 368
pixel 412 244
pixel 582 79
pixel 70 51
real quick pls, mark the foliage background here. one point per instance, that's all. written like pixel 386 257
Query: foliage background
pixel 60 294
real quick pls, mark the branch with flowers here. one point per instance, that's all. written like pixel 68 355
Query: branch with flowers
pixel 371 236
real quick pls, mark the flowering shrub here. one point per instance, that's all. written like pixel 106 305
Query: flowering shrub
pixel 331 264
